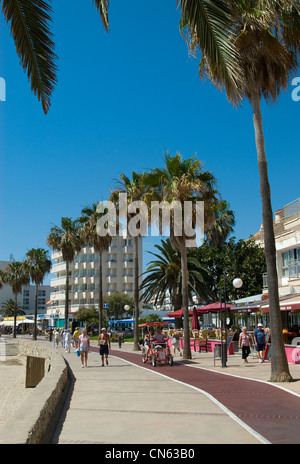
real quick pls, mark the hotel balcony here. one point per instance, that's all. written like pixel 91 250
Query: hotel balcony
pixel 56 255
pixel 58 267
pixel 128 264
pixel 112 248
pixel 128 249
pixel 55 296
pixel 58 282
pixel 112 264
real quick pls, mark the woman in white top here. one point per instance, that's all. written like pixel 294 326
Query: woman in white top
pixel 84 346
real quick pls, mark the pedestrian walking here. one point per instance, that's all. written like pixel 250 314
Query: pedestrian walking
pixel 63 341
pixel 260 342
pixel 104 344
pixel 84 347
pixel 176 342
pixel 56 338
pixel 68 340
pixel 245 343
pixel 76 335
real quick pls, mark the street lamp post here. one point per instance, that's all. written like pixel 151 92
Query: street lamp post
pixel 127 308
pixel 237 283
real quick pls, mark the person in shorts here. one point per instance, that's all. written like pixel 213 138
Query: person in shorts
pixel 260 341
pixel 84 347
pixel 104 344
pixel 76 335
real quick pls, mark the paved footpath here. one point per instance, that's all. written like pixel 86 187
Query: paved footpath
pixel 129 402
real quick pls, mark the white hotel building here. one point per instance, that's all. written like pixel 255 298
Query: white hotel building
pixel 287 242
pixel 287 239
pixel 118 275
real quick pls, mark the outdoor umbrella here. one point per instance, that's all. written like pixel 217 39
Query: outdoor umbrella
pixel 213 308
pixel 195 320
pixel 179 313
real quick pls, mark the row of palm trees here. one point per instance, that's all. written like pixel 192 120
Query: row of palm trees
pixel 181 180
pixel 19 273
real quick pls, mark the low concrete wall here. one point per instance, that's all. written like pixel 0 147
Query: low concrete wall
pixel 30 423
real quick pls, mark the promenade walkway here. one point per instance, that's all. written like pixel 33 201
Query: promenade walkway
pixel 193 402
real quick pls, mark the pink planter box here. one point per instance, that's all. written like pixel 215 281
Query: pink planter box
pixel 292 354
pixel 210 345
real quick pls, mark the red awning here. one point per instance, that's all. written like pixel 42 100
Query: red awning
pixel 287 303
pixel 245 309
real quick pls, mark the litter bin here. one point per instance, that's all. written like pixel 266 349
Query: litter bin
pixel 217 352
pixel 120 337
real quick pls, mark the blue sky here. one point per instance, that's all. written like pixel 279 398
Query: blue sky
pixel 122 99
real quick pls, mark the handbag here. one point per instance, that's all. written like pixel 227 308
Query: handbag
pixel 78 352
pixel 174 341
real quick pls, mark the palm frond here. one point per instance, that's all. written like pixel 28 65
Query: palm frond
pixel 102 6
pixel 29 24
pixel 206 24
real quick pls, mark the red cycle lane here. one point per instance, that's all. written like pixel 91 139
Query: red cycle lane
pixel 270 411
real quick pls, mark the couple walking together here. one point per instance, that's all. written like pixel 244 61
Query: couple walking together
pixel 259 340
pixel 84 346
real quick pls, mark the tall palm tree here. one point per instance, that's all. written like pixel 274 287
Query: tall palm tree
pixel 17 275
pixel 29 25
pixel 267 38
pixel 222 223
pixel 39 266
pixel 88 219
pixel 136 190
pixel 67 240
pixel 184 180
pixel 164 274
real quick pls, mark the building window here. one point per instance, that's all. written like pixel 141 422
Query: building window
pixel 291 263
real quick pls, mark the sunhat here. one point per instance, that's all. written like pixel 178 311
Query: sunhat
pixel 259 325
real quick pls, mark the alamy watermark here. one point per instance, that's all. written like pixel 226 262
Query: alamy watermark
pixel 140 220
pixel 296 91
pixel 2 89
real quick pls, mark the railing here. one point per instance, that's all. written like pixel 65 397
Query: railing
pixel 290 212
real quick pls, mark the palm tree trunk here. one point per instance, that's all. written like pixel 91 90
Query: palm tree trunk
pixel 279 366
pixel 136 346
pixel 67 296
pixel 35 312
pixel 185 301
pixel 100 307
pixel 15 315
pixel 177 304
